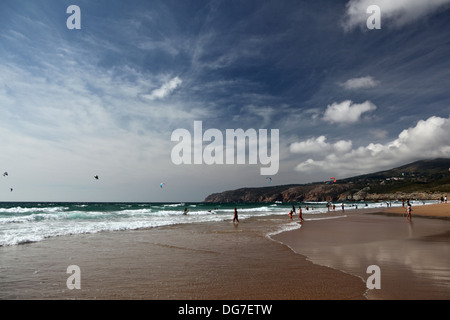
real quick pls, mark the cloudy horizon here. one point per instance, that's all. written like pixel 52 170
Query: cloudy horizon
pixel 104 100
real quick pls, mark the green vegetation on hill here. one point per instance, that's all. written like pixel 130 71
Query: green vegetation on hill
pixel 425 179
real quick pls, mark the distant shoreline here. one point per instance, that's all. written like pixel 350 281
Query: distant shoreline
pixel 440 210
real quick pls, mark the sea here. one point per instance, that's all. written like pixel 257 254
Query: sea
pixel 25 222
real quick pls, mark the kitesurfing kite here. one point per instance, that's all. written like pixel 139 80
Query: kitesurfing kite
pixel 333 178
pixel 270 179
pixel 161 184
pixel 11 189
pixel 96 177
pixel 5 174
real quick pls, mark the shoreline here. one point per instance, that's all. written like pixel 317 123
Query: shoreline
pixel 438 210
pixel 412 256
pixel 261 258
pixel 199 261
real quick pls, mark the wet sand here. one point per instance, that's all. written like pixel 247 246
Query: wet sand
pixel 413 257
pixel 205 261
pixel 325 259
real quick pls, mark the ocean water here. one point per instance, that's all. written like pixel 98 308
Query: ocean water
pixel 24 222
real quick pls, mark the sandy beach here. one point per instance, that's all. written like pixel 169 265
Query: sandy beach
pixel 195 261
pixel 441 210
pixel 412 255
pixel 324 259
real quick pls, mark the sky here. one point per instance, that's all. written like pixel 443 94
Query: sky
pixel 104 99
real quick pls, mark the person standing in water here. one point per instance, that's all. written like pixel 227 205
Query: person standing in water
pixel 408 211
pixel 300 213
pixel 235 218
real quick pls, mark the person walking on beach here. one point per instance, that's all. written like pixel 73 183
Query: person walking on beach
pixel 300 214
pixel 235 218
pixel 408 211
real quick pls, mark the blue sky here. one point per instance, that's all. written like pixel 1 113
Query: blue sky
pixel 105 99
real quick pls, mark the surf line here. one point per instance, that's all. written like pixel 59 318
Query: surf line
pixel 217 153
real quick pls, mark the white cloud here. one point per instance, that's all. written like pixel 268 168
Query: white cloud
pixel 360 83
pixel 320 146
pixel 347 111
pixel 398 13
pixel 342 146
pixel 428 139
pixel 60 127
pixel 165 90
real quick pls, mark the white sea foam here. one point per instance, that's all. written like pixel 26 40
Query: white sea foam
pixel 285 227
pixel 36 222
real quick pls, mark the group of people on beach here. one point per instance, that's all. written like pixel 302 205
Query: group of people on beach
pixel 292 212
pixel 332 206
pixel 300 214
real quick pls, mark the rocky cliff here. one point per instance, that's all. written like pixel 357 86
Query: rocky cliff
pixel 422 180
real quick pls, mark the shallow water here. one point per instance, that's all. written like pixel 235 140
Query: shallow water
pixel 413 257
pixel 23 222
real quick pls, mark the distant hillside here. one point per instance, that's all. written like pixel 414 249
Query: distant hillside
pixel 423 180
